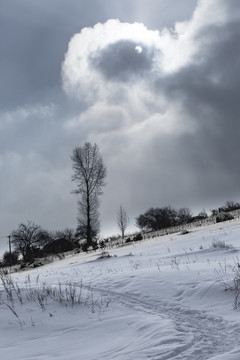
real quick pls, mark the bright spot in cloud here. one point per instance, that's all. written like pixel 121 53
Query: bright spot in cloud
pixel 138 49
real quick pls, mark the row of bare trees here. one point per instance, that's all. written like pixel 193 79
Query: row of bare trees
pixel 160 218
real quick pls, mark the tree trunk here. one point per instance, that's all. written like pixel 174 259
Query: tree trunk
pixel 89 232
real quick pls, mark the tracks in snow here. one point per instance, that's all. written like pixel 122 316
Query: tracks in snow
pixel 208 335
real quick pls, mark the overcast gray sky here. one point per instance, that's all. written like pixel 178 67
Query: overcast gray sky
pixel 154 83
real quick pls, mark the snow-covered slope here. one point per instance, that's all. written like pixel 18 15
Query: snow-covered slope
pixel 163 298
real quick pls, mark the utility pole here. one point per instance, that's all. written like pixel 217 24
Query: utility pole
pixel 9 243
pixel 10 246
pixel 10 249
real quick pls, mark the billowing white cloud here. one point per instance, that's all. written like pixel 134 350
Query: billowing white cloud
pixel 114 68
pixel 115 51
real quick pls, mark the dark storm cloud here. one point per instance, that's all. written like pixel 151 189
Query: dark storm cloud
pixel 154 14
pixel 209 92
pixel 33 38
pixel 123 60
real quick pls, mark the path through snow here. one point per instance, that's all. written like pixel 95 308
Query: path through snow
pixel 207 334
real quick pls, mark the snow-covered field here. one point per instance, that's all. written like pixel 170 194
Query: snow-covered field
pixel 163 298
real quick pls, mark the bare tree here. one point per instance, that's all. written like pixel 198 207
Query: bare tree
pixel 89 175
pixel 157 218
pixel 28 239
pixel 122 220
pixel 184 215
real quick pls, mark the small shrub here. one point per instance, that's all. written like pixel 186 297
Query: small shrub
pixel 58 246
pixel 184 232
pixel 104 255
pixel 85 246
pixel 138 237
pixel 223 216
pixel 102 244
pixel 10 258
pixel 233 284
pixel 32 254
pixel 220 245
pixel 95 246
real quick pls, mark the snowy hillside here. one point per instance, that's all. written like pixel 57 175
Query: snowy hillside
pixel 171 297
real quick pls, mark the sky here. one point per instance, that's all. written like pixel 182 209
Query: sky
pixel 154 83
